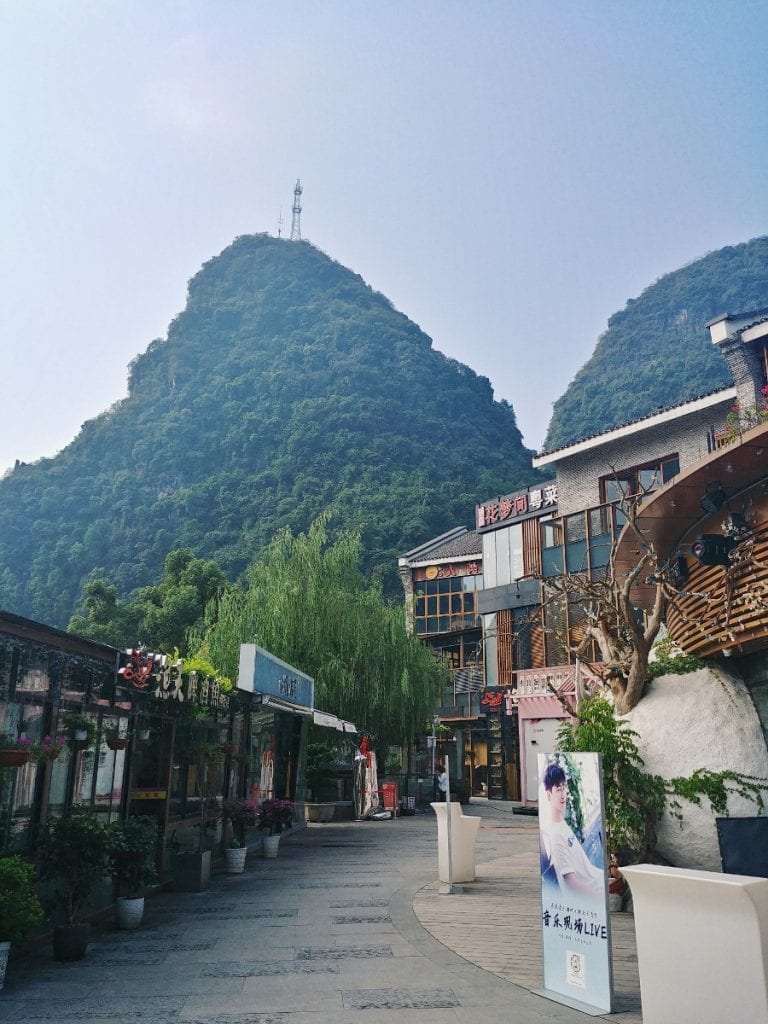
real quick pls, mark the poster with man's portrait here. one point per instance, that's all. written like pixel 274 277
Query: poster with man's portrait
pixel 574 879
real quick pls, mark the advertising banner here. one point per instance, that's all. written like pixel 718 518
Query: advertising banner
pixel 574 882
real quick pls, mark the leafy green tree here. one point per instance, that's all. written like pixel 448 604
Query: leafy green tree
pixel 307 602
pixel 161 615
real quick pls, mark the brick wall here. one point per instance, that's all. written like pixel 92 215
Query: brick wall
pixel 578 475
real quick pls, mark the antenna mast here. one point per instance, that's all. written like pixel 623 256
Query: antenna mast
pixel 296 219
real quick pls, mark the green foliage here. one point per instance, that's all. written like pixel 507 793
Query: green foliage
pixel 131 849
pixel 307 601
pixel 635 800
pixel 319 773
pixel 20 908
pixel 657 350
pixel 160 616
pixel 670 660
pixel 73 721
pixel 287 386
pixel 74 856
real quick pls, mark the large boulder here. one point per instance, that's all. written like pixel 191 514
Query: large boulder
pixel 703 719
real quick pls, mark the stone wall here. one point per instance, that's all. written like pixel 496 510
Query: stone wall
pixel 578 475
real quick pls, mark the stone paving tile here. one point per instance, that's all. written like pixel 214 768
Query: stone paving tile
pixel 362 902
pixel 267 968
pixel 398 998
pixel 140 1008
pixel 361 919
pixel 243 1018
pixel 340 952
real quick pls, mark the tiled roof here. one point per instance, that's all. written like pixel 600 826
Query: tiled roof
pixel 457 543
pixel 726 392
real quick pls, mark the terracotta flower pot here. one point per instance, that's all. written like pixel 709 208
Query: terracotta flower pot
pixel 14 758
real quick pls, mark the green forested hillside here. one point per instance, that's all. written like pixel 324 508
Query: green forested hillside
pixel 656 351
pixel 286 387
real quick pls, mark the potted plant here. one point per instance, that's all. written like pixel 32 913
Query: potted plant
pixel 274 816
pixel 114 739
pixel 320 776
pixel 132 847
pixel 74 857
pixel 241 814
pixel 80 731
pixel 15 751
pixel 49 748
pixel 192 867
pixel 20 908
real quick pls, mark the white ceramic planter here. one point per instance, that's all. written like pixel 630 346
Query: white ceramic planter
pixel 5 949
pixel 270 846
pixel 236 859
pixel 130 912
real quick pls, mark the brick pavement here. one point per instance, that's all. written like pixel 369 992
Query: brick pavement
pixel 325 934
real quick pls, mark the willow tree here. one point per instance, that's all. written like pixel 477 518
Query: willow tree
pixel 307 602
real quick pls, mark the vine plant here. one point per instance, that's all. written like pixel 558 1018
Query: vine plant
pixel 635 799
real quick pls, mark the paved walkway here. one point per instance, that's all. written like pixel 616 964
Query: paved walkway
pixel 345 927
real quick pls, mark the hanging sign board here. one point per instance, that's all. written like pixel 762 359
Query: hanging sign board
pixel 575 922
pixel 262 672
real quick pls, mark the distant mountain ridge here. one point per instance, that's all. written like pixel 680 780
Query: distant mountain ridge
pixel 286 386
pixel 657 351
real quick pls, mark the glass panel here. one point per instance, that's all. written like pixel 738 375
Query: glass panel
pixel 669 469
pixel 431 586
pixel 648 479
pixel 431 606
pixel 456 603
pixel 575 528
pixel 432 624
pixel 576 557
pixel 421 626
pixel 444 624
pixel 552 561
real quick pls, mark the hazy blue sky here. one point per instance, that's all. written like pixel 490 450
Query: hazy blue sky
pixel 507 173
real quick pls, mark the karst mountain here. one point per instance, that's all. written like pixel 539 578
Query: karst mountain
pixel 285 388
pixel 657 350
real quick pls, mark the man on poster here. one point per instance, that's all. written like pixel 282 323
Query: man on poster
pixel 575 923
pixel 572 867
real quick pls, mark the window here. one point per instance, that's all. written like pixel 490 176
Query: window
pixel 442 606
pixel 640 480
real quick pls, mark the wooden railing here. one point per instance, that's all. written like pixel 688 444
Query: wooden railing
pixel 724 610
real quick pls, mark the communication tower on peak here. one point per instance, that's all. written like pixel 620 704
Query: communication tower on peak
pixel 296 219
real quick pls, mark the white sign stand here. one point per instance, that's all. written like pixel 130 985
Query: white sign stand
pixel 449 889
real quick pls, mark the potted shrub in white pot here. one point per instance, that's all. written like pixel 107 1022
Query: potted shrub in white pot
pixel 241 814
pixel 74 858
pixel 274 816
pixel 20 908
pixel 130 860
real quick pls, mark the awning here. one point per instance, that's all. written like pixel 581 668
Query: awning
pixel 332 722
pixel 277 704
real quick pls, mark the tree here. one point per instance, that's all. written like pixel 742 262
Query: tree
pixel 161 615
pixel 307 602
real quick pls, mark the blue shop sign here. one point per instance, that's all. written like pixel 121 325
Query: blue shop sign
pixel 262 672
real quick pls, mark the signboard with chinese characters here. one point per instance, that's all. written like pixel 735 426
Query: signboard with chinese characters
pixel 448 570
pixel 157 676
pixel 515 507
pixel 575 921
pixel 262 672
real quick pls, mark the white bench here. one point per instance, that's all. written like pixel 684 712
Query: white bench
pixel 702 945
pixel 463 835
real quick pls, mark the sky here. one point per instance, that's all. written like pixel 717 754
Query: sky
pixel 508 173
